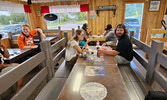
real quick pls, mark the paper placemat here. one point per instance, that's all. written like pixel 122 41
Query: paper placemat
pixel 93 91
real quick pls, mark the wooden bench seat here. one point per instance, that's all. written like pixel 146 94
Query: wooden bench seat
pixel 137 86
pixel 52 90
pixel 63 71
pixel 139 73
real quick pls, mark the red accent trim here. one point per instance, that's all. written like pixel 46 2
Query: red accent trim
pixel 45 9
pixel 27 9
pixel 84 7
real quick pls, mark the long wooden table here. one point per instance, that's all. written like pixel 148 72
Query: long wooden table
pixel 112 81
pixel 98 38
pixel 16 54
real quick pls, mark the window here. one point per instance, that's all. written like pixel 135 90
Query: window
pixel 11 22
pixel 69 16
pixel 11 17
pixel 133 17
pixel 67 21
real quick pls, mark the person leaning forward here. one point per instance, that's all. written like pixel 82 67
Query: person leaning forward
pixel 124 50
pixel 109 35
pixel 25 39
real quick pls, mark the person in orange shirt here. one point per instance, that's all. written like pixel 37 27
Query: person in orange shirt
pixel 25 39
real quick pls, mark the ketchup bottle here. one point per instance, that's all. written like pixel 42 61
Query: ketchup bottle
pixel 98 53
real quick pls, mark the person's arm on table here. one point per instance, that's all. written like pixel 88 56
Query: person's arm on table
pixel 79 50
pixel 109 52
pixel 3 66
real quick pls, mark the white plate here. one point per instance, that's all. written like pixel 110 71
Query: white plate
pixel 93 91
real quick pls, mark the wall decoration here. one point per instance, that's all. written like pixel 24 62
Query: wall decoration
pixel 92 14
pixel 154 5
pixel 38 13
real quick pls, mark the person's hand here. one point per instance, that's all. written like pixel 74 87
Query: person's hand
pixel 15 64
pixel 1 45
pixel 88 40
pixel 90 33
pixel 35 46
pixel 99 51
pixel 104 44
pixel 43 36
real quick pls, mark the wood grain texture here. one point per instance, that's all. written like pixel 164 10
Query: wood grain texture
pixel 112 81
pixel 98 24
pixel 6 42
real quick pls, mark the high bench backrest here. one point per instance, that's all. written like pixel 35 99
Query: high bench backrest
pixel 52 50
pixel 37 37
pixel 152 51
pixel 12 76
pixel 159 77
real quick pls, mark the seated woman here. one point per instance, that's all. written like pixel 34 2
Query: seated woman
pixel 86 34
pixel 110 37
pixel 73 47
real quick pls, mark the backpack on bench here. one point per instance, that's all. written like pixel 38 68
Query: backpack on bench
pixel 156 95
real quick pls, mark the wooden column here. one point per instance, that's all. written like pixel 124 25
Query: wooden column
pixel 32 18
pixel 46 47
pixel 73 31
pixel 66 36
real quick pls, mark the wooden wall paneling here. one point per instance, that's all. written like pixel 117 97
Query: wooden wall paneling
pixel 151 19
pixel 16 1
pixel 144 22
pixel 69 33
pixel 6 42
pixel 32 18
pixel 40 19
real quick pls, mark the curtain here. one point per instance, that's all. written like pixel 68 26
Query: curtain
pixel 45 9
pixel 11 7
pixel 64 8
pixel 84 7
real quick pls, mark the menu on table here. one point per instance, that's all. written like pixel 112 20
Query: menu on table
pixel 94 71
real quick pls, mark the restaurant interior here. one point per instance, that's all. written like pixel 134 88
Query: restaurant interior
pixel 46 75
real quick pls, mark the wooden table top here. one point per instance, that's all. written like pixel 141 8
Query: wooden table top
pixel 112 80
pixel 16 54
pixel 116 89
pixel 108 60
pixel 97 38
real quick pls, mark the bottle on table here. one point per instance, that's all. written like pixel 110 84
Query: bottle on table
pixel 98 53
pixel 98 43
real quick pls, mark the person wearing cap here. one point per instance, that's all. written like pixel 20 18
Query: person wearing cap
pixel 124 50
pixel 6 67
pixel 110 37
pixel 86 34
pixel 25 39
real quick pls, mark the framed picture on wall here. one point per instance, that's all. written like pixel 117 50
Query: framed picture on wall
pixel 154 5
